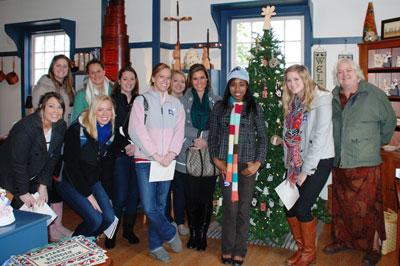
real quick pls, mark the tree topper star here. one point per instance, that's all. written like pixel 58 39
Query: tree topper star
pixel 268 12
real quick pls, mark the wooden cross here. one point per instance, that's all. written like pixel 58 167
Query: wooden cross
pixel 205 59
pixel 177 51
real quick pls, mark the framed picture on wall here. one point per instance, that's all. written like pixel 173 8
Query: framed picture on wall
pixel 390 28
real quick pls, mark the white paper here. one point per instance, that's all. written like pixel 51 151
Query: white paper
pixel 160 173
pixel 44 209
pixel 287 194
pixel 109 232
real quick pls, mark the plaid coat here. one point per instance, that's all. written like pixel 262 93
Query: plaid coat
pixel 252 134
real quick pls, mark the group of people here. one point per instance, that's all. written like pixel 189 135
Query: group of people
pixel 100 165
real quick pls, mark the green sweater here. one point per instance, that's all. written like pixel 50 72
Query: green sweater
pixel 362 126
pixel 80 103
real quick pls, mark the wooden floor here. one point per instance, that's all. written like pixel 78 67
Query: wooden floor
pixel 126 254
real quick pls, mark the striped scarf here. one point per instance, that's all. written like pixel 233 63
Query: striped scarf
pixel 292 139
pixel 232 175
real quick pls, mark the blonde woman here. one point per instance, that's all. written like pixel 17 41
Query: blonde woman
pixel 88 159
pixel 309 152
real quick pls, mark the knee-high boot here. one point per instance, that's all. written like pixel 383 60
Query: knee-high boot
pixel 127 225
pixel 206 211
pixel 309 254
pixel 295 228
pixel 192 221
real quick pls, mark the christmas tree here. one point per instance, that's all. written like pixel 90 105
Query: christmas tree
pixel 266 69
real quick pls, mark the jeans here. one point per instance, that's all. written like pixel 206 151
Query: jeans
pixel 94 222
pixel 153 196
pixel 178 199
pixel 126 191
pixel 309 191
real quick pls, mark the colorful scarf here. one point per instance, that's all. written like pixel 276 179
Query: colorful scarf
pixel 292 139
pixel 232 175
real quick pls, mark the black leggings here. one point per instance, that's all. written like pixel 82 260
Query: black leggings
pixel 310 190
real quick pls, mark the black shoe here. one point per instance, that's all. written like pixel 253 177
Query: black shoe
pixel 110 243
pixel 226 260
pixel 371 258
pixel 205 213
pixel 192 238
pixel 237 262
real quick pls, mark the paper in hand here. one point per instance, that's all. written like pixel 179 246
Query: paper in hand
pixel 44 209
pixel 160 173
pixel 287 194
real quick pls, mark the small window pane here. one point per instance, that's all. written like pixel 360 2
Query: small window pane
pixel 39 44
pixel 47 59
pixel 278 28
pixel 293 30
pixel 39 60
pixel 292 53
pixel 243 33
pixel 59 43
pixel 258 27
pixel 242 53
pixel 38 74
pixel 66 42
pixel 49 43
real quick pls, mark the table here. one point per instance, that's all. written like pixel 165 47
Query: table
pixel 28 231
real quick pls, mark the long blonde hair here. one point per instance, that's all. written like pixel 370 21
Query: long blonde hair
pixel 89 120
pixel 309 87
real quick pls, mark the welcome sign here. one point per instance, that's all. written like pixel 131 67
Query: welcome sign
pixel 319 68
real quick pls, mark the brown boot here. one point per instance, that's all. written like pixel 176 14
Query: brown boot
pixel 309 254
pixel 296 232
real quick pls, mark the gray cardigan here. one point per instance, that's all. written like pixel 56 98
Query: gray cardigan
pixel 191 132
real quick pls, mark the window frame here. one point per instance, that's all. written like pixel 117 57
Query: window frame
pixel 222 15
pixel 21 34
pixel 54 52
pixel 234 41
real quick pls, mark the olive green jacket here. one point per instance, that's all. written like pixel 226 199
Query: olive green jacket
pixel 362 127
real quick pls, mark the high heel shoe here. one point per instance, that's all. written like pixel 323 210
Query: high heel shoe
pixel 237 262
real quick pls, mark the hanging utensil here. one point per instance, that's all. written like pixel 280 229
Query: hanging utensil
pixel 12 77
pixel 2 74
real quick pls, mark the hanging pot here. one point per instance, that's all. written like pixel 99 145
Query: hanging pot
pixel 12 77
pixel 2 74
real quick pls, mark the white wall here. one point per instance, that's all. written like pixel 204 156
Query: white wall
pixel 340 18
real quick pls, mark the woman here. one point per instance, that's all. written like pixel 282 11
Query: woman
pixel 198 102
pixel 126 193
pixel 58 79
pixel 156 126
pixel 87 159
pixel 31 151
pixel 178 88
pixel 238 155
pixel 363 121
pixel 309 152
pixel 97 84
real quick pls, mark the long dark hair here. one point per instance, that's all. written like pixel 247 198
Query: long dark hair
pixel 248 98
pixel 117 87
pixel 67 82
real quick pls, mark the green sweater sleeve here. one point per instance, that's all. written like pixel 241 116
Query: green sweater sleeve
pixel 80 104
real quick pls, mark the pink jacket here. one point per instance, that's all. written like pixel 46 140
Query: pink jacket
pixel 163 130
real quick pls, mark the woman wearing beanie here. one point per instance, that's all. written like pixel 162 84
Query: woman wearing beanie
pixel 237 144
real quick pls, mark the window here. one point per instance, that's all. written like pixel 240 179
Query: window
pixel 44 48
pixel 289 30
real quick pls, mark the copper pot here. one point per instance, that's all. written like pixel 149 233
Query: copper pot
pixel 2 74
pixel 12 77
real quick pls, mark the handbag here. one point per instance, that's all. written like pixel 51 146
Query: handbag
pixel 198 163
